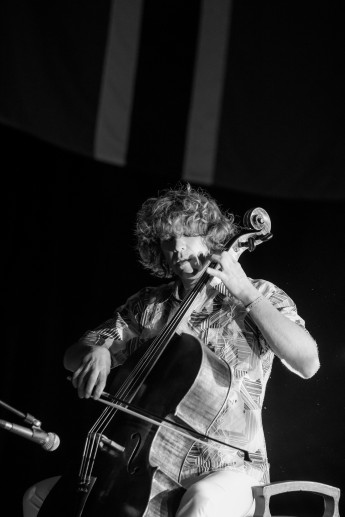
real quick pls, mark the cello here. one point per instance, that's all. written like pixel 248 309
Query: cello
pixel 162 400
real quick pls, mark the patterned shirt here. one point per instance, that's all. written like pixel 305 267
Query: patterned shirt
pixel 222 323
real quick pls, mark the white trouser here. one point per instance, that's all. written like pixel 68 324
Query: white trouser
pixel 225 493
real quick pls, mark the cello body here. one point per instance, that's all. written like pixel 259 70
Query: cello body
pixel 137 477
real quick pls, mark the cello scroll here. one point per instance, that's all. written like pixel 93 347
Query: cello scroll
pixel 255 229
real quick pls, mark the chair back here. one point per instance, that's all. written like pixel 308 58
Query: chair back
pixel 262 495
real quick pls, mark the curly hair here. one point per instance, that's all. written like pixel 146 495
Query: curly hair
pixel 183 210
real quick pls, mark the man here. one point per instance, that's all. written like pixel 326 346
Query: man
pixel 244 322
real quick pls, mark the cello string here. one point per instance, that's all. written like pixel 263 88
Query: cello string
pixel 131 382
pixel 168 331
pixel 133 379
pixel 86 459
pixel 156 348
pixel 90 452
pixel 136 378
pixel 153 352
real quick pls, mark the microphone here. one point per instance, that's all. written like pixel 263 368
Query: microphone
pixel 48 441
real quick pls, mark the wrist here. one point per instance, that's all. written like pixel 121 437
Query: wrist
pixel 255 302
pixel 112 358
pixel 249 296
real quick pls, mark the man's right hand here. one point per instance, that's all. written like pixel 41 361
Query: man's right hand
pixel 91 376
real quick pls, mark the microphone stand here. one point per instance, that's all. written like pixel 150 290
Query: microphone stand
pixel 29 419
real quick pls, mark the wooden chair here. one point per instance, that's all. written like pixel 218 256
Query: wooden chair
pixel 262 495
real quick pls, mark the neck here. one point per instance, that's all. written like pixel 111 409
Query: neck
pixel 186 285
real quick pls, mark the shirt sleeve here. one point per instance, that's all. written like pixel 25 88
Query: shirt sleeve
pixel 121 332
pixel 282 302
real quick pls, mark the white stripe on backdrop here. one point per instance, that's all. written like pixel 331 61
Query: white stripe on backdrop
pixel 207 92
pixel 119 72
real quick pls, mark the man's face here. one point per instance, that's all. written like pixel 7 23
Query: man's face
pixel 186 255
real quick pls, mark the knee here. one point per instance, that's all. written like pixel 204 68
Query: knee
pixel 197 502
pixel 34 496
pixel 221 494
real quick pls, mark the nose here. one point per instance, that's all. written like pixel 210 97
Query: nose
pixel 179 244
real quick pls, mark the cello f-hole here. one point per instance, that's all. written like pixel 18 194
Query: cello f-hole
pixel 134 446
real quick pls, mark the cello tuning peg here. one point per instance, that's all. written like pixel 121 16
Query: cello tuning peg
pixel 249 243
pixel 266 237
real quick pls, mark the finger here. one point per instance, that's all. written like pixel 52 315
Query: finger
pixel 80 384
pixel 215 272
pixel 81 381
pixel 221 260
pixel 225 256
pixel 100 385
pixel 216 258
pixel 90 382
pixel 75 377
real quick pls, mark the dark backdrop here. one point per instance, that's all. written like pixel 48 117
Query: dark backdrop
pixel 69 261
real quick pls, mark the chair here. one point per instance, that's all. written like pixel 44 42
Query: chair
pixel 262 495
